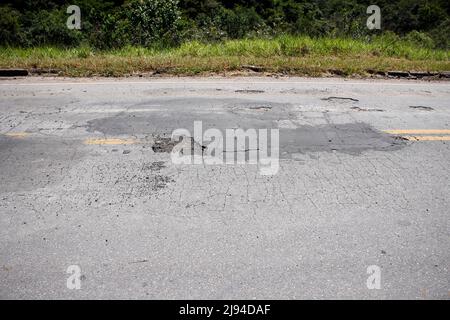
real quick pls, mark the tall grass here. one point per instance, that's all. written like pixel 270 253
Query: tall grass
pixel 302 55
pixel 302 46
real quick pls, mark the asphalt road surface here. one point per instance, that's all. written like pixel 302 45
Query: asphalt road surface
pixel 363 181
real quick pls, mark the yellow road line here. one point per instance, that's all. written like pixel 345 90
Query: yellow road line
pixel 427 138
pixel 92 141
pixel 112 141
pixel 419 131
pixel 411 135
pixel 19 135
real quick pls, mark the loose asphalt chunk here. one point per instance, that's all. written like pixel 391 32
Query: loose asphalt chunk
pixel 13 72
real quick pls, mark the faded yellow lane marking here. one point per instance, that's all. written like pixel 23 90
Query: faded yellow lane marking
pixel 19 135
pixel 409 134
pixel 422 134
pixel 111 141
pixel 427 138
pixel 419 131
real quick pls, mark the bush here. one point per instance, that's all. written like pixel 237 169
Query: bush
pixel 158 23
pixel 240 22
pixel 111 30
pixel 440 35
pixel 9 26
pixel 49 28
pixel 154 21
pixel 419 39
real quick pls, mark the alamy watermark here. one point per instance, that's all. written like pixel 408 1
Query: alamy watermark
pixel 74 280
pixel 374 279
pixel 234 146
pixel 374 21
pixel 74 20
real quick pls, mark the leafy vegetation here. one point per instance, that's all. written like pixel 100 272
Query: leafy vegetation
pixel 117 23
pixel 120 37
pixel 299 55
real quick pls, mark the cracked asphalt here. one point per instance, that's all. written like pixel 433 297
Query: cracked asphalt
pixel 363 180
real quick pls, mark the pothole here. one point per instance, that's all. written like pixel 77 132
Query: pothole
pixel 163 145
pixel 166 145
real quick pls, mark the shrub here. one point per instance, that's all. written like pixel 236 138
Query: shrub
pixel 240 22
pixel 111 30
pixel 49 28
pixel 440 35
pixel 9 26
pixel 419 39
pixel 154 21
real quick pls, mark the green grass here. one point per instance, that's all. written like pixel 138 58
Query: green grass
pixel 286 54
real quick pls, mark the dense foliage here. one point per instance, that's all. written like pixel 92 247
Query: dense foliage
pixel 116 23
